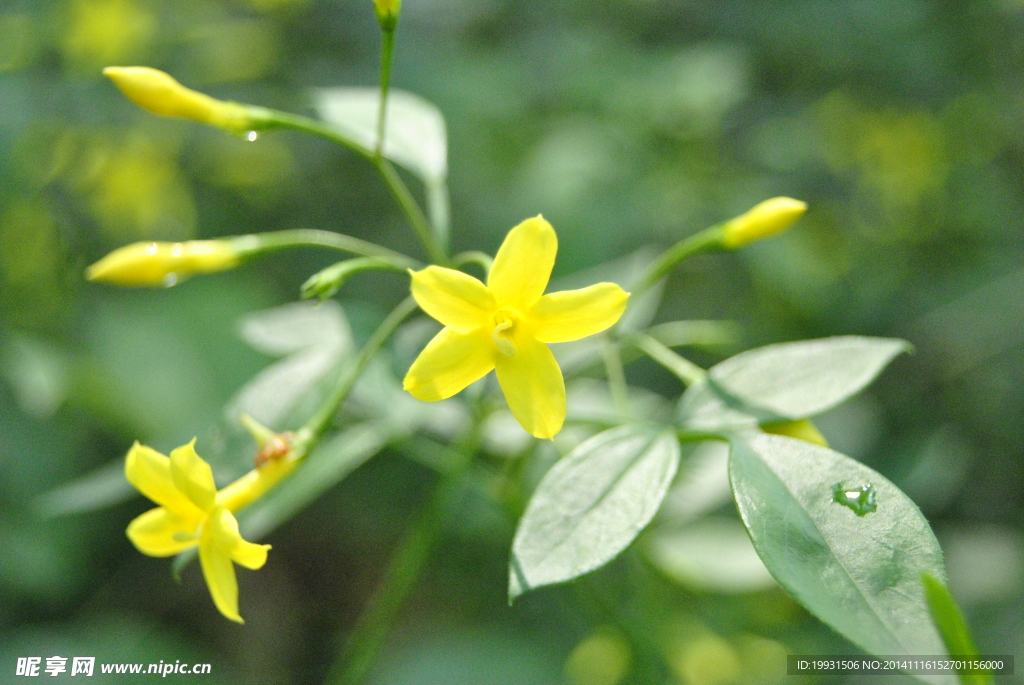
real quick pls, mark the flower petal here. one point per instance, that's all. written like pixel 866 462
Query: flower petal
pixel 533 387
pixel 449 363
pixel 215 558
pixel 150 473
pixel 573 314
pixel 224 526
pixel 193 476
pixel 457 300
pixel 154 531
pixel 523 264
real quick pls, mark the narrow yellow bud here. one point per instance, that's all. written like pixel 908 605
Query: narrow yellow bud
pixel 166 264
pixel 158 92
pixel 764 220
pixel 387 12
pixel 804 429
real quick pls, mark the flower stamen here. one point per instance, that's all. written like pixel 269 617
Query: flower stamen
pixel 504 321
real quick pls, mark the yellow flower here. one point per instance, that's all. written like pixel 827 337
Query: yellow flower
pixel 159 93
pixel 192 512
pixel 505 324
pixel 762 221
pixel 164 264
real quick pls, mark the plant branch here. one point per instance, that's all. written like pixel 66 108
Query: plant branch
pixel 260 244
pixel 315 427
pixel 708 240
pixel 387 48
pixel 270 119
pixel 407 564
pixel 616 377
pixel 688 372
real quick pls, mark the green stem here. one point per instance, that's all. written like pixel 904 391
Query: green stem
pixel 616 376
pixel 407 563
pixel 387 48
pixel 318 424
pixel 270 119
pixel 439 208
pixel 474 257
pixel 708 240
pixel 688 372
pixel 327 282
pixel 412 210
pixel 260 244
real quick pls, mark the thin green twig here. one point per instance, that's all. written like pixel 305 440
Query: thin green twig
pixel 315 427
pixel 708 240
pixel 270 119
pixel 474 257
pixel 688 372
pixel 387 48
pixel 407 563
pixel 260 244
pixel 616 376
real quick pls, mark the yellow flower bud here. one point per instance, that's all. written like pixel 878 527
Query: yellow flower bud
pixel 166 264
pixel 764 220
pixel 387 12
pixel 804 429
pixel 158 92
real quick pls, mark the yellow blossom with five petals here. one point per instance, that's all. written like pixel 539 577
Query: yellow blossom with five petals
pixel 192 512
pixel 505 326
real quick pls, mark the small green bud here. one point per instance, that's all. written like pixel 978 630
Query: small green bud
pixel 324 284
pixel 387 13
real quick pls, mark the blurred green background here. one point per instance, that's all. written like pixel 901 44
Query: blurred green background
pixel 626 123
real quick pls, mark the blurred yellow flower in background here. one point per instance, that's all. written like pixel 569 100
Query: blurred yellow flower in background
pixel 137 190
pixel 505 324
pixel 103 31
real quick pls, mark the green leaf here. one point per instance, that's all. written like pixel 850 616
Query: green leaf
pixel 858 574
pixel 414 137
pixel 313 339
pixel 702 408
pixel 591 505
pixel 788 381
pixel 801 379
pixel 100 488
pixel 952 626
pixel 712 554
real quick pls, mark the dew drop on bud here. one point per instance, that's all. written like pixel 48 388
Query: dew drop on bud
pixel 177 249
pixel 170 279
pixel 151 249
pixel 251 136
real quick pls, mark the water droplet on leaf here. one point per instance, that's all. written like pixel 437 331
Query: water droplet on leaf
pixel 170 279
pixel 860 500
pixel 151 249
pixel 251 136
